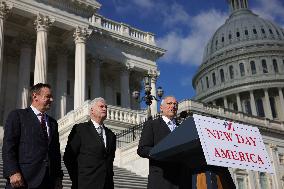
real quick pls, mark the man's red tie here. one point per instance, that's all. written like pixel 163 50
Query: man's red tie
pixel 43 126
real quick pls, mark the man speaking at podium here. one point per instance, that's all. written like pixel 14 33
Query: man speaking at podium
pixel 166 175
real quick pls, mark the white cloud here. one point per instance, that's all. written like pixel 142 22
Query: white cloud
pixel 188 49
pixel 175 14
pixel 271 10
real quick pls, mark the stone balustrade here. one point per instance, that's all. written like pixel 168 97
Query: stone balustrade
pixel 201 108
pixel 115 116
pixel 122 29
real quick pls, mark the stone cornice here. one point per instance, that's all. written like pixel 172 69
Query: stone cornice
pixel 31 6
pixel 133 42
pixel 4 9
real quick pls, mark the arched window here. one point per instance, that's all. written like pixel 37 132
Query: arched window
pixel 263 181
pixel 238 34
pixel 246 32
pixel 247 107
pixel 270 31
pixel 201 84
pixel 262 30
pixel 214 78
pixel 264 66
pixel 275 66
pixel 242 69
pixel 222 75
pixel 254 31
pixel 207 82
pixel 273 107
pixel 252 67
pixel 259 108
pixel 231 70
pixel 235 106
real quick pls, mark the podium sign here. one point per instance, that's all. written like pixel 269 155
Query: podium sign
pixel 230 144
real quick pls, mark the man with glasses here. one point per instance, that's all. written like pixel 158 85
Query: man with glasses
pixel 161 174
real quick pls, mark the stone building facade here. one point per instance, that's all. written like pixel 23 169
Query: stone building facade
pixel 82 55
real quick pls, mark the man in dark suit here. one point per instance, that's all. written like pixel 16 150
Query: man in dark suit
pixel 90 151
pixel 31 150
pixel 161 174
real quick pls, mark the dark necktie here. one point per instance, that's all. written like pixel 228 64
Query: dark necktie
pixel 43 125
pixel 100 132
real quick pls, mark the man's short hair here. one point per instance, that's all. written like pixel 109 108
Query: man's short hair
pixel 37 87
pixel 98 99
pixel 163 99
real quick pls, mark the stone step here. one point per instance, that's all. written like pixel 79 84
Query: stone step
pixel 123 179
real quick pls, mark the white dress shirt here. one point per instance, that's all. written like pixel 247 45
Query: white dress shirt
pixel 171 123
pixel 38 114
pixel 97 128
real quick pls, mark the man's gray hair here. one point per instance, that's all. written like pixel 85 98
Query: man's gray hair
pixel 96 100
pixel 163 99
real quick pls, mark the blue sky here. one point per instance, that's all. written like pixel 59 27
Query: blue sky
pixel 182 27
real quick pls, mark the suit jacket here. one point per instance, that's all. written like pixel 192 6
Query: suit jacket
pixel 88 161
pixel 26 150
pixel 166 175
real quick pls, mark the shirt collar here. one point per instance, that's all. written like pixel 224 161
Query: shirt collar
pixel 95 124
pixel 167 120
pixel 35 110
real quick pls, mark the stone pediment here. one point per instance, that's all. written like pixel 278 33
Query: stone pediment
pixel 84 8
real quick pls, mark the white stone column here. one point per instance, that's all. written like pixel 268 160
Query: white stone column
pixel 154 107
pixel 124 88
pixel 42 24
pixel 239 102
pixel 276 182
pixel 109 92
pixel 96 77
pixel 61 81
pixel 268 112
pixel 80 36
pixel 24 72
pixel 4 9
pixel 281 103
pixel 252 179
pixel 252 103
pixel 225 102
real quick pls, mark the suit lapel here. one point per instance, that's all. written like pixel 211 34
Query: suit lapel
pixel 108 139
pixel 164 126
pixel 95 133
pixel 51 128
pixel 35 123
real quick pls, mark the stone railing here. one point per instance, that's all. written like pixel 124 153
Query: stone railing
pixel 125 115
pixel 115 113
pixel 200 108
pixel 122 29
pixel 116 117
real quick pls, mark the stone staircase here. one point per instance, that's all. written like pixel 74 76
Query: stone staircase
pixel 123 179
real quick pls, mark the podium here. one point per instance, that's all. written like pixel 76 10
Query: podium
pixel 183 145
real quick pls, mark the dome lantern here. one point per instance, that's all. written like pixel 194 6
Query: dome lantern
pixel 238 5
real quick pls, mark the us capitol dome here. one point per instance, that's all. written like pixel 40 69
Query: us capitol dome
pixel 243 65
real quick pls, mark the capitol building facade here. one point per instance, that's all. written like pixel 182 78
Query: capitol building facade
pixel 84 55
